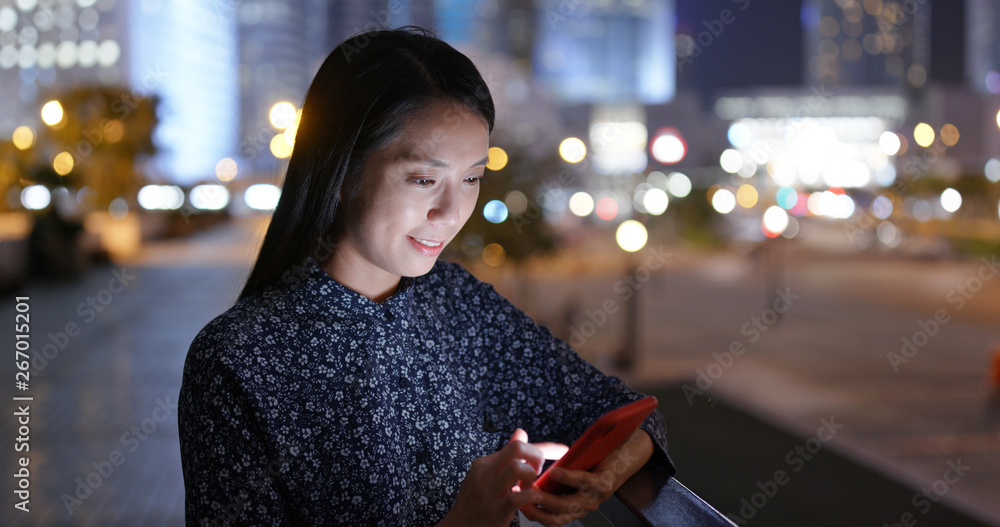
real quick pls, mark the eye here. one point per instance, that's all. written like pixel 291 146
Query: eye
pixel 474 180
pixel 422 182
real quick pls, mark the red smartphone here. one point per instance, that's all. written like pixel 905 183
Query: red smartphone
pixel 602 438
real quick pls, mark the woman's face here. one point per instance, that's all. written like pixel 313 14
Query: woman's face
pixel 416 193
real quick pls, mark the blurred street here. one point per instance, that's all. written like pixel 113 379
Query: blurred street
pixel 103 437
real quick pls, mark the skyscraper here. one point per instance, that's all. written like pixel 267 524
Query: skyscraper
pixel 867 43
pixel 182 51
pixel 606 52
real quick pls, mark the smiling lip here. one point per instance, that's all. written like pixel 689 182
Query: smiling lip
pixel 421 246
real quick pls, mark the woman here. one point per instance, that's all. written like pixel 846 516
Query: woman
pixel 360 381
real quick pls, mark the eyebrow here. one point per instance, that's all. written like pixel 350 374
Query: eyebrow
pixel 434 162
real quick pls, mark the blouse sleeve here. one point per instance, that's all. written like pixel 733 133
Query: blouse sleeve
pixel 228 477
pixel 545 387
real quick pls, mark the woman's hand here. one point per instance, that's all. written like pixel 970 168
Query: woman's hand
pixel 592 487
pixel 500 483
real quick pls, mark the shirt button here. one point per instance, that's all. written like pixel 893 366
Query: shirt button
pixel 423 457
pixel 404 382
pixel 388 315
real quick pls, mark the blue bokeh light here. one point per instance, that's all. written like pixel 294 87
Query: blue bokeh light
pixel 495 211
pixel 787 197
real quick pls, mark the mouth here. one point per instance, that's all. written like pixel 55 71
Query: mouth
pixel 428 243
pixel 430 248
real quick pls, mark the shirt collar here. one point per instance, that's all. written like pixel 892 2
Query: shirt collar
pixel 323 290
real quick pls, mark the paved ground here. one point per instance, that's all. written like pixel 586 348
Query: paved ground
pixel 103 432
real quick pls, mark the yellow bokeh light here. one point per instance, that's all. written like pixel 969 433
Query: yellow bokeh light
pixel 226 169
pixel 494 255
pixel 746 196
pixel 282 115
pixel 923 134
pixel 497 158
pixel 23 137
pixel 998 118
pixel 63 163
pixel 114 130
pixel 874 7
pixel 293 128
pixel 280 147
pixel 581 204
pixel 631 235
pixel 949 134
pixel 52 113
pixel 572 150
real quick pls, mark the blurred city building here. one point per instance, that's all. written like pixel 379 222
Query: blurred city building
pixel 875 114
pixel 181 51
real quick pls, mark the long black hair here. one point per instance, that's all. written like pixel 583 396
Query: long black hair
pixel 358 102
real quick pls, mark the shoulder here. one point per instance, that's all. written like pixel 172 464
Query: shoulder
pixel 241 329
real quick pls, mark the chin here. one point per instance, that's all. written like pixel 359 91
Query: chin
pixel 419 268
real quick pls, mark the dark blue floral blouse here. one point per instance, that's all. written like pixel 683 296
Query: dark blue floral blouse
pixel 306 403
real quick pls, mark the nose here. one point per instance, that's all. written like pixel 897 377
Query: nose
pixel 446 208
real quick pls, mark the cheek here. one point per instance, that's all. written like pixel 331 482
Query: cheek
pixel 469 204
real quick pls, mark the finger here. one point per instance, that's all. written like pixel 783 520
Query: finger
pixel 528 498
pixel 552 450
pixel 526 452
pixel 517 472
pixel 542 514
pixel 519 435
pixel 591 483
pixel 569 506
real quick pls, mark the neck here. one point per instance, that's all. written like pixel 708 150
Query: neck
pixel 353 272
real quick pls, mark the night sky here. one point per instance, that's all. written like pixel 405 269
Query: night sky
pixel 761 46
